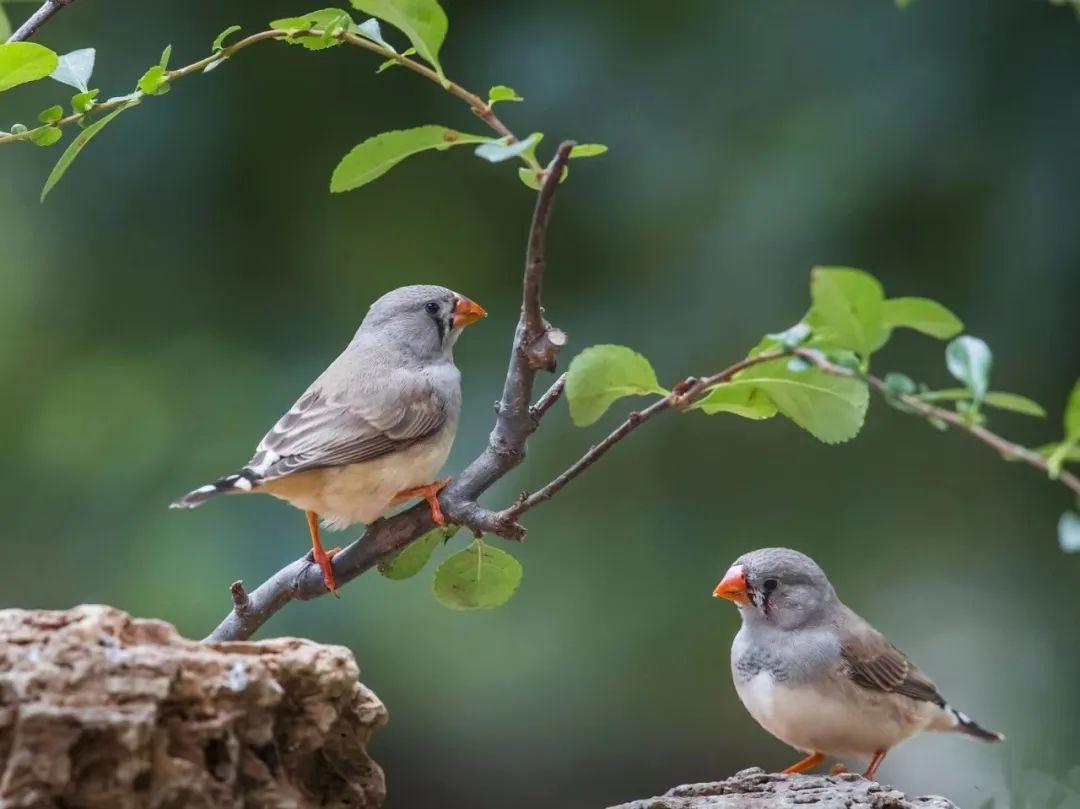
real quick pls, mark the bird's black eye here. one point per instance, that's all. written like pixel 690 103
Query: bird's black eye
pixel 770 585
pixel 431 307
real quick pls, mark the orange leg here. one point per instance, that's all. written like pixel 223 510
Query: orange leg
pixel 807 763
pixel 875 762
pixel 322 558
pixel 430 492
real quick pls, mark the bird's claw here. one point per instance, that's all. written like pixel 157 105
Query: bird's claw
pixel 325 563
pixel 429 492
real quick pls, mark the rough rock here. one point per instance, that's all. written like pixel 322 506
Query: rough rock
pixel 756 789
pixel 102 711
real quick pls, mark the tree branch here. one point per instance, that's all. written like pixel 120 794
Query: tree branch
pixel 684 395
pixel 1008 449
pixel 476 104
pixel 38 19
pixel 515 421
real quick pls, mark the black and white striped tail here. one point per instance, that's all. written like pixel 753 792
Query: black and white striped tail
pixel 965 724
pixel 243 481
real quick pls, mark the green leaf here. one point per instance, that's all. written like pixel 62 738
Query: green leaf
pixel 995 398
pixel 377 155
pixel 969 360
pixel 1069 532
pixel 153 82
pixel 369 29
pixel 166 54
pixel 77 145
pixel 847 310
pixel 84 102
pixel 21 62
pixel 219 40
pixel 527 175
pixel 500 92
pixel 1069 451
pixel 922 315
pixel 5 25
pixel 75 68
pixel 330 21
pixel 743 400
pixel 897 385
pixel 411 559
pixel 51 115
pixel 389 63
pixel 829 407
pixel 496 151
pixel 587 150
pixel 1072 413
pixel 422 21
pixel 602 374
pixel 479 577
pixel 1057 455
pixel 46 136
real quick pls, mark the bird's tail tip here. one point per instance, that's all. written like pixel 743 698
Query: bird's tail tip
pixel 965 724
pixel 242 481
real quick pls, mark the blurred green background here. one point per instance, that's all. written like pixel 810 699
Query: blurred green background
pixel 191 274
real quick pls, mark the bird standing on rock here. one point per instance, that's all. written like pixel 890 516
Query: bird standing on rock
pixel 375 427
pixel 816 675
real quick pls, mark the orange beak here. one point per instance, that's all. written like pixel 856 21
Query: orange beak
pixel 733 586
pixel 466 311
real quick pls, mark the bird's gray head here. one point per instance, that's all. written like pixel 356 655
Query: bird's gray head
pixel 779 587
pixel 423 319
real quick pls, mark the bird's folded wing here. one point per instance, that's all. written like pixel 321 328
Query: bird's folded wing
pixel 871 662
pixel 321 431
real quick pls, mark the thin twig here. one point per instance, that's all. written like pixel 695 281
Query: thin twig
pixel 686 394
pixel 693 390
pixel 1008 449
pixel 476 104
pixel 514 423
pixel 38 19
pixel 550 397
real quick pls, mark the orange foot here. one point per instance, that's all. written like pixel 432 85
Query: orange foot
pixel 322 557
pixel 430 492
pixel 807 763
pixel 875 762
pixel 324 561
pixel 838 769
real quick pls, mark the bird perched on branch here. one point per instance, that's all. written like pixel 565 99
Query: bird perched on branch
pixel 376 426
pixel 816 675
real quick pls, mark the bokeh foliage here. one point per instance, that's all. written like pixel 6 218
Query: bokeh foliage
pixel 194 274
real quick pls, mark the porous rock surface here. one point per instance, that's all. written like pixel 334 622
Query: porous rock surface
pixel 102 711
pixel 757 789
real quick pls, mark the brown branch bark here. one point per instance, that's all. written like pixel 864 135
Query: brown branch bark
pixel 515 421
pixel 38 19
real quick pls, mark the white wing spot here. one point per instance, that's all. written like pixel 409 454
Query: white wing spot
pixel 242 483
pixel 209 487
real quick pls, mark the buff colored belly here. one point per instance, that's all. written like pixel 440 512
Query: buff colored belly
pixel 362 492
pixel 841 721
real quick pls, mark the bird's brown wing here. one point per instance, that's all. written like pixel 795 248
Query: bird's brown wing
pixel 871 662
pixel 320 432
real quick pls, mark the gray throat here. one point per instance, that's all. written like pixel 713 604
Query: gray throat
pixel 793 656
